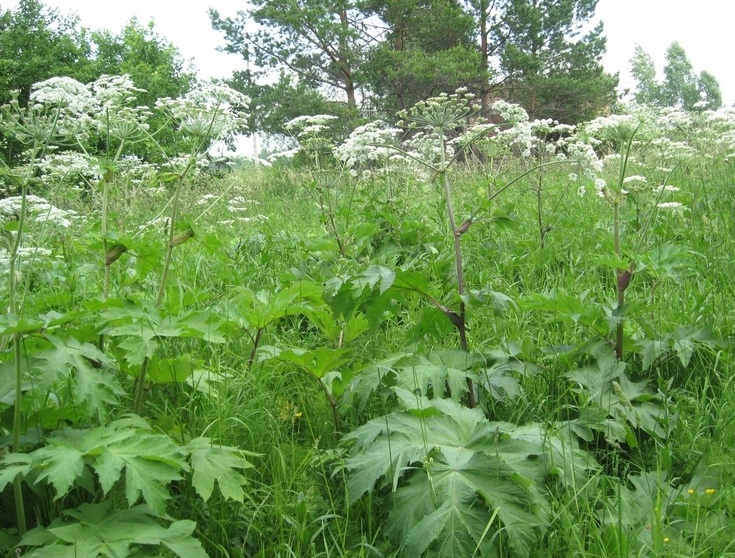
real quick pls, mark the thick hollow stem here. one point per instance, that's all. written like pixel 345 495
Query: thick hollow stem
pixel 457 234
pixel 13 308
pixel 139 396
pixel 621 283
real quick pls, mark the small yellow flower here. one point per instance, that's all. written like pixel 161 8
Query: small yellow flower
pixel 666 539
pixel 709 491
pixel 690 491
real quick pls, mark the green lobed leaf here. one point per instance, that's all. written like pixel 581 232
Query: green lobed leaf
pixel 60 463
pixel 93 384
pixel 94 530
pixel 150 461
pixel 210 463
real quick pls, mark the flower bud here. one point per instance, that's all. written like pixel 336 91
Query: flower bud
pixel 114 253
pixel 464 227
pixel 181 237
pixel 624 280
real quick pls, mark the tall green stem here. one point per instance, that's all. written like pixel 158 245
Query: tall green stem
pixel 623 279
pixel 139 394
pixel 456 233
pixel 623 276
pixel 17 341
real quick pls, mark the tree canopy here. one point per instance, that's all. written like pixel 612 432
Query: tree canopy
pixel 681 87
pixel 386 55
pixel 38 43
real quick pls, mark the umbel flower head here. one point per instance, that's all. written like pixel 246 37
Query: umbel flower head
pixel 442 113
pixel 208 111
pixel 617 128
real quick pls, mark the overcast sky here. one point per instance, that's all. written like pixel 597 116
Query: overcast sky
pixel 704 28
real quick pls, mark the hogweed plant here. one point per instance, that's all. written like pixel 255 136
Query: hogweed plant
pixel 620 134
pixel 33 128
pixel 60 375
pixel 442 504
pixel 314 138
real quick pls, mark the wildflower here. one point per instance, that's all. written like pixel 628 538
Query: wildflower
pixel 41 209
pixel 444 112
pixel 670 205
pixel 600 187
pixel 665 188
pixel 305 121
pixel 617 128
pixel 634 178
pixel 371 143
pixel 709 491
pixel 690 491
pixel 209 110
pixel 511 113
pixel 581 191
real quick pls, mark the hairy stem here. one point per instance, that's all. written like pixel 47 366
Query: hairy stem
pixel 457 234
pixel 13 309
pixel 139 394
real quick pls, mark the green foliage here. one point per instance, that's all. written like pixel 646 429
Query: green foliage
pixel 413 62
pixel 551 68
pixel 154 65
pixel 128 454
pixel 460 483
pixel 275 104
pixel 253 327
pixel 100 530
pixel 37 43
pixel 313 40
pixel 680 88
pixel 528 52
pixel 619 404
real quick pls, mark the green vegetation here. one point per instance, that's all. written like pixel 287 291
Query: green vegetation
pixel 387 55
pixel 681 87
pixel 459 331
pixel 445 339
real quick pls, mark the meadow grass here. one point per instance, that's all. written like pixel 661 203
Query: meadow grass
pixel 262 229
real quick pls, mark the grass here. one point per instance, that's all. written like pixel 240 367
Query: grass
pixel 276 236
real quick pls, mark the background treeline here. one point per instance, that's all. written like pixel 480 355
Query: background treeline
pixel 38 43
pixel 360 58
pixel 339 56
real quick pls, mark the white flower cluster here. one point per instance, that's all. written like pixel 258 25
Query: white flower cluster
pixel 616 128
pixel 208 111
pixel 39 208
pixel 373 144
pixel 445 112
pixel 69 166
pixel 309 124
pixel 510 112
pixel 102 106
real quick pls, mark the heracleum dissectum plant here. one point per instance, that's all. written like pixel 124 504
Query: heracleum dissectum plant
pixel 444 115
pixel 440 130
pixel 33 127
pixel 209 112
pixel 622 133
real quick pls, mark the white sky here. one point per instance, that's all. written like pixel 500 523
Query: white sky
pixel 704 28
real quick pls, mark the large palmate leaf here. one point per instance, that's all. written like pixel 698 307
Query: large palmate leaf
pixel 126 449
pixel 317 362
pixel 211 462
pixel 149 462
pixel 604 385
pixel 459 480
pixel 262 308
pixel 94 530
pixel 80 368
